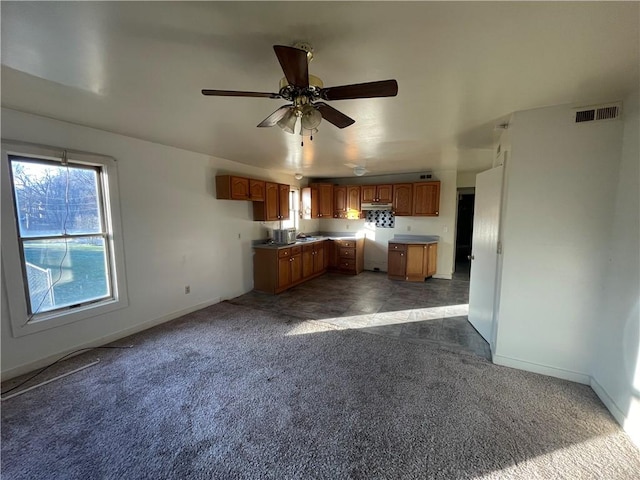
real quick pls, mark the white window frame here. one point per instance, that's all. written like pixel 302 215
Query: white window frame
pixel 21 322
pixel 294 209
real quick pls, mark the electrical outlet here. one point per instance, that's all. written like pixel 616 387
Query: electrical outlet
pixel 445 229
pixel 408 228
pixel 347 226
pixel 187 289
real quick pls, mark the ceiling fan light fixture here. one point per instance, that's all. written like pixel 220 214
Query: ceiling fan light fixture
pixel 310 117
pixel 288 122
pixel 298 176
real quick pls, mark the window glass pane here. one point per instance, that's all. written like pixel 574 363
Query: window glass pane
pixel 62 273
pixel 52 199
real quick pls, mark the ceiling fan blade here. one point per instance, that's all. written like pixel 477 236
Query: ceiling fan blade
pixel 334 116
pixel 382 88
pixel 294 65
pixel 275 117
pixel 235 93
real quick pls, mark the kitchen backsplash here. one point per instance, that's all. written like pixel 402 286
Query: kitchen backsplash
pixel 381 218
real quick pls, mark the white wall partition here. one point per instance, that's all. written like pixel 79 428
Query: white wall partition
pixel 562 181
pixel 616 350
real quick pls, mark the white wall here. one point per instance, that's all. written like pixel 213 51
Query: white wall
pixel 561 183
pixel 175 233
pixel 616 360
pixel 376 243
pixel 467 179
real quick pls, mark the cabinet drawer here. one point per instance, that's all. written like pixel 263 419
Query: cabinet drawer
pixel 347 252
pixel 284 252
pixel 346 243
pixel 297 249
pixel 347 265
pixel 397 247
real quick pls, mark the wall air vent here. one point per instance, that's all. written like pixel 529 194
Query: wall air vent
pixel 597 112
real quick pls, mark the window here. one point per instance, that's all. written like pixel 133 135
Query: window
pixel 61 250
pixel 294 209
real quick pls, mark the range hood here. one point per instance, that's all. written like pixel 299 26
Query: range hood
pixel 375 206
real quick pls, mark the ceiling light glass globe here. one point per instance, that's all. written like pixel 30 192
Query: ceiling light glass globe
pixel 310 118
pixel 288 122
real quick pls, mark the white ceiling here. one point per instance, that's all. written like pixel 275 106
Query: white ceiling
pixel 137 68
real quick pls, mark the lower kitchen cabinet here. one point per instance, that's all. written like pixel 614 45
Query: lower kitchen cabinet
pixel 313 259
pixel 412 262
pixel 397 261
pixel 347 256
pixel 277 269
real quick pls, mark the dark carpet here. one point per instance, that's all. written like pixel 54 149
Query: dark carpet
pixel 234 392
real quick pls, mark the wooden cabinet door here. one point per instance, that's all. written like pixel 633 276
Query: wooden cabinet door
pixel 239 188
pixel 353 202
pixel 368 193
pixel 416 255
pixel 315 202
pixel 325 205
pixel 432 259
pixel 326 247
pixel 331 251
pixel 284 271
pixel 283 202
pixel 256 190
pixel 296 268
pixel 426 199
pixel 339 201
pixel 402 199
pixel 229 187
pixel 271 200
pixel 318 258
pixel 307 261
pixel 384 193
pixel 397 265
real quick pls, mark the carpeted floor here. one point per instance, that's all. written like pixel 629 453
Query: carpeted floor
pixel 234 392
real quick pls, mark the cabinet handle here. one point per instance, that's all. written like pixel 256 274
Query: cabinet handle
pixel 402 254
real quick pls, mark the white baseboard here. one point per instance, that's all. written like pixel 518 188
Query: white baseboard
pixel 43 362
pixel 629 425
pixel 608 401
pixel 542 369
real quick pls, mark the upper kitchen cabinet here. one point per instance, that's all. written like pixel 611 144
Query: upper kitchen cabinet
pixel 353 202
pixel 321 200
pixel 340 201
pixel 256 190
pixel 426 199
pixel 346 201
pixel 377 193
pixel 230 187
pixel 403 199
pixel 275 205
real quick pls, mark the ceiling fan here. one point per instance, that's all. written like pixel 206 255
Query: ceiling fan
pixel 306 93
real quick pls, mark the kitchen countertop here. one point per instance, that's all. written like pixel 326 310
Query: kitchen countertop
pixel 316 237
pixel 415 239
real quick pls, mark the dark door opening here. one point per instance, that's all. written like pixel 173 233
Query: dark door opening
pixel 464 231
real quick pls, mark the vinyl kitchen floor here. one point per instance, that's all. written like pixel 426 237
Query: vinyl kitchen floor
pixel 433 312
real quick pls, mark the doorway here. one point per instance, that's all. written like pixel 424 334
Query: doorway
pixel 464 230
